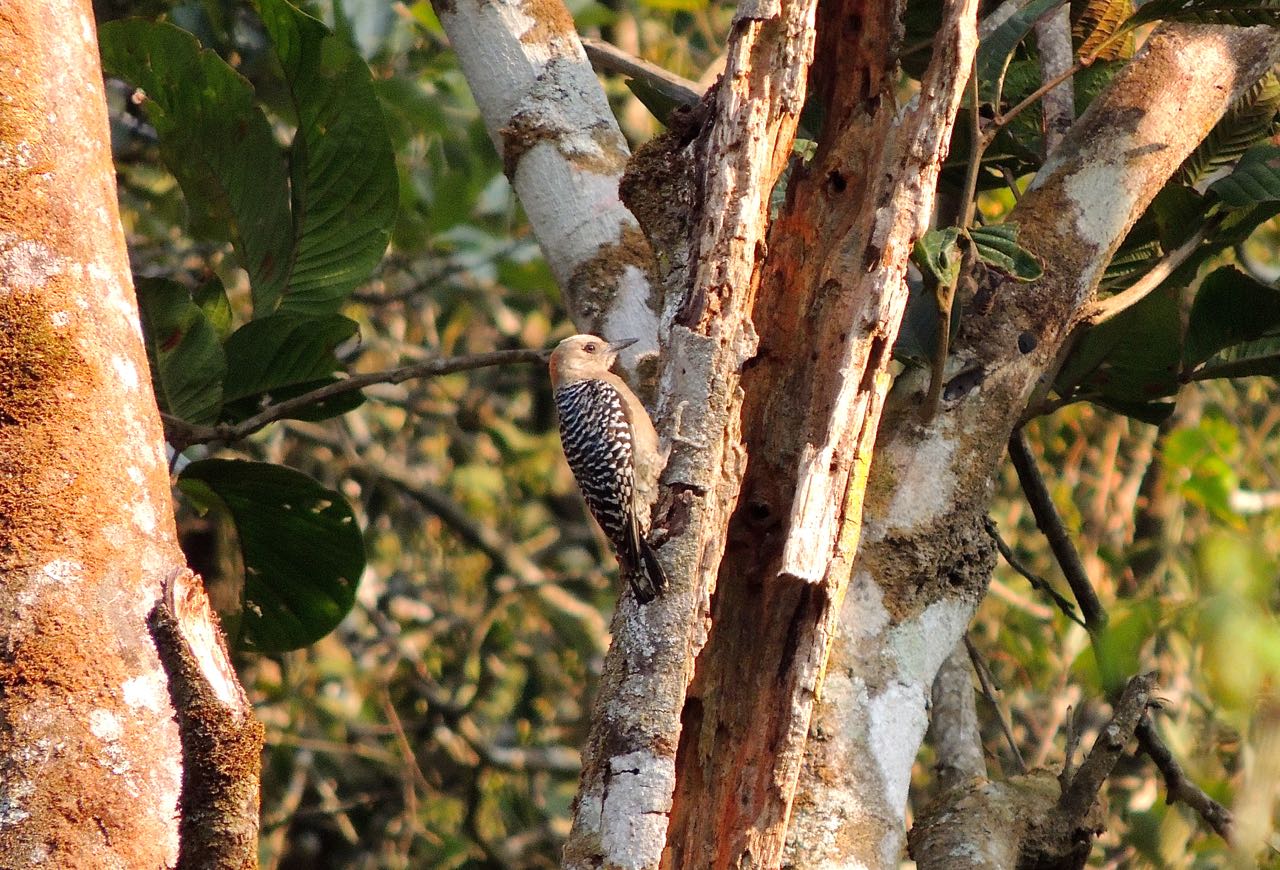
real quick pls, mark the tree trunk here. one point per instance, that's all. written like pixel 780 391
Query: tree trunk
pixel 925 557
pixel 90 759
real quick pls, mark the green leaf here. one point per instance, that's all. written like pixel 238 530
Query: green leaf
pixel 1243 13
pixel 1118 647
pixel 215 141
pixel 997 48
pixel 284 350
pixel 1250 119
pixel 323 409
pixel 1178 213
pixel 1261 357
pixel 187 363
pixel 1130 360
pixel 1153 413
pixel 1255 179
pixel 937 253
pixel 1230 308
pixel 341 167
pixel 302 550
pixel 211 296
pixel 998 246
pixel 917 339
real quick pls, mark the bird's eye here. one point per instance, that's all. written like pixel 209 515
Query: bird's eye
pixel 590 347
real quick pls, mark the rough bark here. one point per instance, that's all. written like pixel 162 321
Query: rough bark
pixel 564 154
pixel 90 761
pixel 730 164
pixel 221 740
pixel 1032 822
pixel 925 558
pixel 831 300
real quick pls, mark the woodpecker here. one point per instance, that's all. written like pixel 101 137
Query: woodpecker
pixel 612 449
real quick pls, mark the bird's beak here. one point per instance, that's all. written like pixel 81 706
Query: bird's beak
pixel 620 345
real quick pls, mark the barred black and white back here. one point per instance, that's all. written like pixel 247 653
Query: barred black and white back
pixel 597 440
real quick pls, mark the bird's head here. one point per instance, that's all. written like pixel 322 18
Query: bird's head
pixel 583 357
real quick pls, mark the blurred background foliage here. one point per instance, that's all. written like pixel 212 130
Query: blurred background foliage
pixel 439 725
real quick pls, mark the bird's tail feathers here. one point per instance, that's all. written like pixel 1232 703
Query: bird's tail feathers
pixel 646 576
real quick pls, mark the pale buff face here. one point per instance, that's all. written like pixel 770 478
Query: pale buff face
pixel 581 357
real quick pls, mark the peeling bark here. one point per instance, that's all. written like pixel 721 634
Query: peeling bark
pixel 629 763
pixel 925 561
pixel 831 300
pixel 90 761
pixel 221 740
pixel 564 154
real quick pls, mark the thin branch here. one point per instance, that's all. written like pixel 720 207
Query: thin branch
pixel 1003 120
pixel 953 723
pixel 1068 609
pixel 989 690
pixel 1078 798
pixel 1180 787
pixel 1106 309
pixel 1011 180
pixel 182 434
pixel 607 57
pixel 1050 523
pixel 977 146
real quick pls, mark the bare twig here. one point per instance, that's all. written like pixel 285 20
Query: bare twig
pixel 182 434
pixel 1012 182
pixel 1078 798
pixel 1180 787
pixel 1050 523
pixel 1068 609
pixel 1005 119
pixel 607 57
pixel 1106 309
pixel 1069 751
pixel 989 692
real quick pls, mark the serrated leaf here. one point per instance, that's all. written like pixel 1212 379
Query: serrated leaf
pixel 997 48
pixel 341 167
pixel 214 140
pixel 1095 22
pixel 187 362
pixel 1243 13
pixel 272 354
pixel 1255 179
pixel 303 553
pixel 1230 309
pixel 1249 120
pixel 997 246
